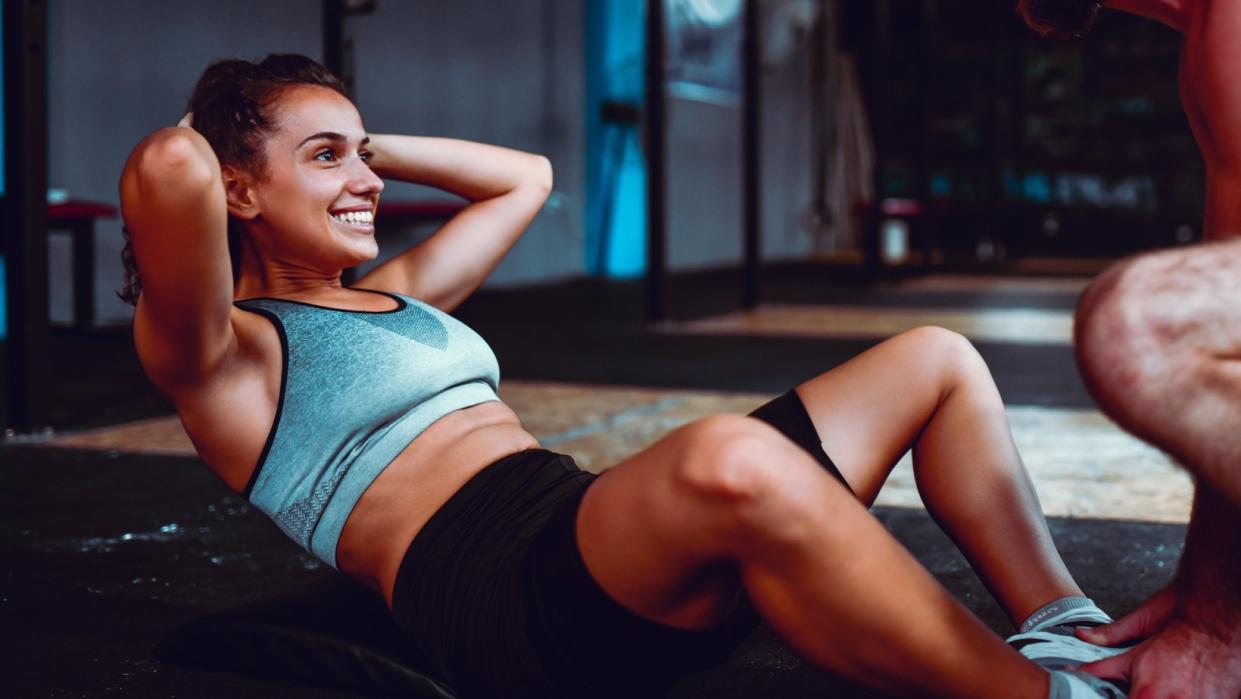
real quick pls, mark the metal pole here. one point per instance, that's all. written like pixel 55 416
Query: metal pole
pixel 337 48
pixel 334 38
pixel 25 224
pixel 751 157
pixel 656 165
pixel 879 107
pixel 927 225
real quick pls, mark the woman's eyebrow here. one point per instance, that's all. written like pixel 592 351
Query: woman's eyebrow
pixel 331 136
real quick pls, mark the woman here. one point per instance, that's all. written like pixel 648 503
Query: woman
pixel 364 421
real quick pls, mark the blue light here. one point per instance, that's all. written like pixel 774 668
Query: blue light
pixel 616 173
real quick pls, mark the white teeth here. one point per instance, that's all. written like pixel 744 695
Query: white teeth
pixel 355 217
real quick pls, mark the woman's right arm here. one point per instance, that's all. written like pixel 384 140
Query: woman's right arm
pixel 173 201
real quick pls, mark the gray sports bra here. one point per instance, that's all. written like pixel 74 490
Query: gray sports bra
pixel 357 388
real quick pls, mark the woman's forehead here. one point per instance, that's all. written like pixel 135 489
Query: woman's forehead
pixel 307 110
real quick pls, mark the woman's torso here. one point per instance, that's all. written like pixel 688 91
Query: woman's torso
pixel 229 416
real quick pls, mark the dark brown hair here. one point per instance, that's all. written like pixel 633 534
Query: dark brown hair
pixel 232 104
pixel 1059 19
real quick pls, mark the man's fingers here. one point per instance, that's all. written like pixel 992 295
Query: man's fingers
pixel 1139 624
pixel 1117 667
pixel 1134 627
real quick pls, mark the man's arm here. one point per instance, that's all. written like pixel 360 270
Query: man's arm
pixel 1210 60
pixel 1173 13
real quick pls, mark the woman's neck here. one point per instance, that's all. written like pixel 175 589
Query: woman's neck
pixel 260 277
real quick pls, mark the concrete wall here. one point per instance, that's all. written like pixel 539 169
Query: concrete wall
pixel 704 154
pixel 510 73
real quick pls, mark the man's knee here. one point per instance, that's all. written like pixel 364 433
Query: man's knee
pixel 1127 326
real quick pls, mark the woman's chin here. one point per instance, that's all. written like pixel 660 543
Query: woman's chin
pixel 357 251
pixel 358 257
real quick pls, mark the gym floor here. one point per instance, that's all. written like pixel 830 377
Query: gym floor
pixel 118 536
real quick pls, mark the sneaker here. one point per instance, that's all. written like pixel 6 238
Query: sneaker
pixel 1056 648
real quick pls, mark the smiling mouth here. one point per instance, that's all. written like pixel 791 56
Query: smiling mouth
pixel 355 218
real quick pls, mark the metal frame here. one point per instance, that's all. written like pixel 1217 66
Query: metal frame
pixel 879 120
pixel 654 122
pixel 333 23
pixel 751 156
pixel 25 223
pixel 654 126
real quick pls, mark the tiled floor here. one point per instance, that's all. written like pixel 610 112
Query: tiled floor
pixel 1082 465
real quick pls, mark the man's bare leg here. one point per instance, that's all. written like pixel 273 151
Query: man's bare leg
pixel 1193 627
pixel 1159 344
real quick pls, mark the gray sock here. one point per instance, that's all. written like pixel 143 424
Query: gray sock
pixel 1049 640
pixel 1066 611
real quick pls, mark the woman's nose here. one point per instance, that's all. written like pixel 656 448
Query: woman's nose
pixel 363 179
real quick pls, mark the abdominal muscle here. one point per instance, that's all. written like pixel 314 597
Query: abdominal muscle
pixel 433 467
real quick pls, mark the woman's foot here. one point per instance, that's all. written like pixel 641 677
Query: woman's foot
pixel 1048 637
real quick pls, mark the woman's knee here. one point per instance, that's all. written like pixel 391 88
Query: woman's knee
pixel 751 478
pixel 727 457
pixel 951 355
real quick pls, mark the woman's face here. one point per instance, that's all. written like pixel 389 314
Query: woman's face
pixel 318 197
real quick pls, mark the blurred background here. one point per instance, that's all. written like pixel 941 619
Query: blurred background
pixel 855 139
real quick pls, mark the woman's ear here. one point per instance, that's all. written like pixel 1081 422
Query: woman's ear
pixel 239 193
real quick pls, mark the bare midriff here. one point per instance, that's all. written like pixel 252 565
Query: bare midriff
pixel 418 482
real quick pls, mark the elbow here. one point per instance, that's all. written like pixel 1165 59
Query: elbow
pixel 533 184
pixel 541 177
pixel 175 156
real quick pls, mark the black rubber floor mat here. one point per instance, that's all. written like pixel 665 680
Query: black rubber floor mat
pixel 105 555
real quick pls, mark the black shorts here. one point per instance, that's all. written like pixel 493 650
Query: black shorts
pixel 493 592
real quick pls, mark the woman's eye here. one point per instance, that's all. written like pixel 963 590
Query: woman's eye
pixel 325 155
pixel 365 155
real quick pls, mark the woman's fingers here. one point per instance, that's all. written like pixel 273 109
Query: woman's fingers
pixel 1143 622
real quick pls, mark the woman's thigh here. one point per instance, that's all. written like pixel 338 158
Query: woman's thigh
pixel 661 531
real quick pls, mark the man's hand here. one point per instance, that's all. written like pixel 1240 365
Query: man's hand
pixel 1147 620
pixel 1178 658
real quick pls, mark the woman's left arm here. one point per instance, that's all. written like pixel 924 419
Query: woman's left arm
pixel 506 189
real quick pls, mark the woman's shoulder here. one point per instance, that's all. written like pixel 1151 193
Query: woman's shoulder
pixel 252 343
pixel 229 411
